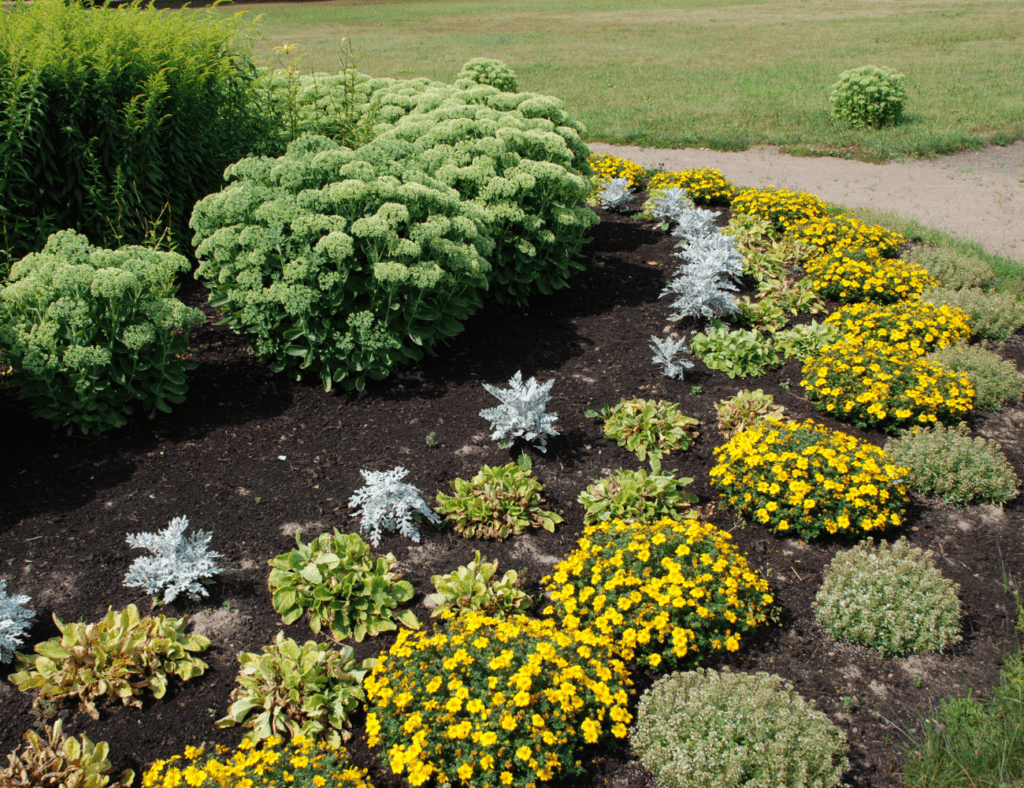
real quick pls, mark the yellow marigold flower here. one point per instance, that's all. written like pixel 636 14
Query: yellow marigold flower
pixel 524 753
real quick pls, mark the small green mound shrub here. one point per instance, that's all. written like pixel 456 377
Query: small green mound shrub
pixel 635 495
pixel 747 409
pixel 950 464
pixel 647 428
pixel 95 333
pixel 804 341
pixel 890 598
pixel 991 315
pixel 995 380
pixel 953 269
pixel 705 729
pixel 485 71
pixel 54 759
pixel 474 587
pixel 869 97
pixel 739 354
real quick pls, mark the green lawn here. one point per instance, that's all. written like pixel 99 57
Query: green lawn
pixel 725 74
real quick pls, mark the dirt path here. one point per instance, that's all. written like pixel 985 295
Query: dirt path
pixel 975 194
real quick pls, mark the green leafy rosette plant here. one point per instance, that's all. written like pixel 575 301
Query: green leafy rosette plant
pixel 890 598
pixel 500 702
pixel 647 428
pixel 912 327
pixel 308 690
pixel 777 300
pixel 119 657
pixel 868 97
pixel 635 495
pixel 497 503
pixel 474 587
pixel 747 409
pixel 95 333
pixel 804 341
pixel 337 579
pixel 54 759
pixel 805 479
pixel 665 591
pixel 995 380
pixel 739 354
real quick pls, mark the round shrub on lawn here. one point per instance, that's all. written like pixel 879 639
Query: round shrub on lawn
pixel 705 729
pixel 890 598
pixel 496 702
pixel 664 591
pixel 869 97
pixel 806 479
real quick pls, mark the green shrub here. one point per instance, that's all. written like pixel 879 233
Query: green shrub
pixel 705 729
pixel 485 71
pixel 890 598
pixel 739 354
pixel 635 495
pixel 803 341
pixel 647 428
pixel 991 315
pixel 955 270
pixel 869 97
pixel 54 759
pixel 949 464
pixel 95 332
pixel 114 122
pixel 747 409
pixel 995 380
pixel 473 587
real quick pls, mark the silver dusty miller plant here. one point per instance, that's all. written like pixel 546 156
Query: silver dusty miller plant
pixel 694 223
pixel 14 621
pixel 615 194
pixel 387 504
pixel 177 565
pixel 669 204
pixel 521 413
pixel 665 351
pixel 702 288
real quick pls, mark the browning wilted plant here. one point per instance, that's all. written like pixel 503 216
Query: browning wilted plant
pixel 995 380
pixel 949 464
pixel 474 587
pixel 704 729
pixel 647 428
pixel 953 269
pixel 14 621
pixel 991 315
pixel 497 503
pixel 890 598
pixel 745 410
pixel 178 563
pixel 521 413
pixel 120 657
pixel 636 495
pixel 308 690
pixel 56 761
pixel 387 504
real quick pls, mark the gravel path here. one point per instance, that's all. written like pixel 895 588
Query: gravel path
pixel 977 195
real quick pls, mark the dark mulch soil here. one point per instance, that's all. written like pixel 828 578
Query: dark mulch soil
pixel 254 458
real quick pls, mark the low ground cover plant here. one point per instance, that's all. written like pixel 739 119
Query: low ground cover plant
pixel 804 341
pixel 118 657
pixel 738 353
pixel 952 465
pixel 995 380
pixel 802 478
pixel 344 588
pixel 890 597
pixel 991 315
pixel 636 496
pixel 667 592
pixel 747 409
pixel 475 587
pixel 648 428
pixel 54 759
pixel 951 268
pixel 705 729
pixel 490 701
pixel 179 564
pixel 869 96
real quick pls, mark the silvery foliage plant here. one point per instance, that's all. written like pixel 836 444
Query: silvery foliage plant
pixel 615 194
pixel 665 351
pixel 177 565
pixel 670 204
pixel 694 223
pixel 702 288
pixel 14 620
pixel 521 413
pixel 387 504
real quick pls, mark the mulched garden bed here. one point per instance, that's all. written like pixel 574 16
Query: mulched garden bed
pixel 254 458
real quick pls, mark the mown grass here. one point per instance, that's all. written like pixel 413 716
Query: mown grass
pixel 724 75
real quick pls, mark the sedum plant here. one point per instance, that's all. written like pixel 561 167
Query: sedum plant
pixel 996 381
pixel 120 657
pixel 950 464
pixel 474 587
pixel 952 269
pixel 308 690
pixel 521 414
pixel 54 760
pixel 387 504
pixel 705 729
pixel 665 352
pixel 991 315
pixel 344 589
pixel 739 354
pixel 615 194
pixel 633 496
pixel 178 563
pixel 747 409
pixel 868 97
pixel 486 71
pixel 497 503
pixel 14 621
pixel 647 428
pixel 890 598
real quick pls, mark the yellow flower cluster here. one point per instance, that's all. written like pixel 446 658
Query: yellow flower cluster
pixel 871 383
pixel 267 765
pixel 840 235
pixel 704 185
pixel 606 166
pixel 665 590
pixel 492 702
pixel 867 278
pixel 909 327
pixel 803 478
pixel 783 208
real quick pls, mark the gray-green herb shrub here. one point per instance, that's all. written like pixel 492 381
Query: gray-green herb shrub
pixel 954 270
pixel 14 621
pixel 636 496
pixel 995 380
pixel 96 333
pixel 521 414
pixel 991 315
pixel 667 204
pixel 705 729
pixel 948 463
pixel 738 354
pixel 179 563
pixel 486 71
pixel 387 504
pixel 869 97
pixel 890 598
pixel 475 587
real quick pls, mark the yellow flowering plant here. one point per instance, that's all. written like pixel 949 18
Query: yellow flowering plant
pixel 705 185
pixel 858 276
pixel 666 591
pixel 300 763
pixel 783 208
pixel 910 327
pixel 491 702
pixel 606 167
pixel 804 479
